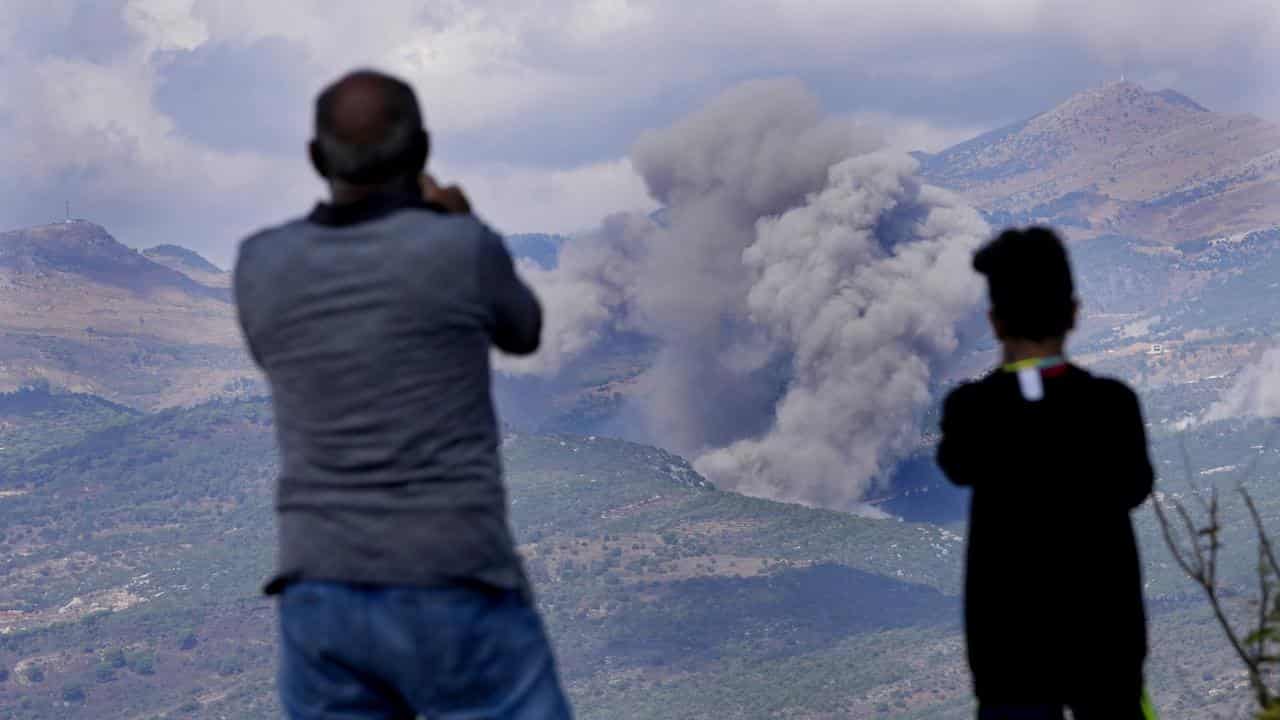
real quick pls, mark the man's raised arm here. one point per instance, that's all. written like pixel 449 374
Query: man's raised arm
pixel 515 312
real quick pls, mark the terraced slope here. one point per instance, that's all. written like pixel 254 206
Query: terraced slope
pixel 132 558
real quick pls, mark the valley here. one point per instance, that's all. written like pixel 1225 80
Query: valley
pixel 660 590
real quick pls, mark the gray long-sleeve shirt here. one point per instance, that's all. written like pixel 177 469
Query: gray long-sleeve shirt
pixel 373 323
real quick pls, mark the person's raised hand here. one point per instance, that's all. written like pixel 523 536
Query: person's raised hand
pixel 451 197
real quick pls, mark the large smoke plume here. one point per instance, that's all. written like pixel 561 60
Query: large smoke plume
pixel 801 286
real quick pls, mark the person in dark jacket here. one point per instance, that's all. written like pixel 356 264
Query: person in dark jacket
pixel 401 592
pixel 1057 460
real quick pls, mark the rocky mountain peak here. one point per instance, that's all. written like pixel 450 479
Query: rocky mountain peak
pixel 1122 109
pixel 1120 159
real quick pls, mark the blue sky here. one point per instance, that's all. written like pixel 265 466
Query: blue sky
pixel 184 121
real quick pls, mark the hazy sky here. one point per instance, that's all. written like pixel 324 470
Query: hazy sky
pixel 185 120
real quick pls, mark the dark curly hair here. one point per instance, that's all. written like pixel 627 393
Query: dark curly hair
pixel 1029 278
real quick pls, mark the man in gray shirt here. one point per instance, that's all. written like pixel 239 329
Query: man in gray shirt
pixel 401 592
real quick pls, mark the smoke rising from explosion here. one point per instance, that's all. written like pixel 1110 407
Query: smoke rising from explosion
pixel 1255 392
pixel 801 286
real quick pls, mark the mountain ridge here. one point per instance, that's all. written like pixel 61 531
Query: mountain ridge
pixel 83 311
pixel 1148 175
pixel 189 263
pixel 1123 160
pixel 84 248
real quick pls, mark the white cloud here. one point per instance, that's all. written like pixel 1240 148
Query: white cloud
pixel 166 24
pixel 908 134
pixel 485 68
pixel 1156 30
pixel 566 201
pixel 487 61
pixel 597 21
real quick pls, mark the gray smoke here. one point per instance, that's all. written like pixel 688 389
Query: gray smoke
pixel 1255 392
pixel 863 317
pixel 588 292
pixel 802 286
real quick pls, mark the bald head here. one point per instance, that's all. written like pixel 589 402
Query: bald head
pixel 368 130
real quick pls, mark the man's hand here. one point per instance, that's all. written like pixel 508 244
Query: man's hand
pixel 451 198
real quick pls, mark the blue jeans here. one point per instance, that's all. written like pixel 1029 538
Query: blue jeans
pixel 351 652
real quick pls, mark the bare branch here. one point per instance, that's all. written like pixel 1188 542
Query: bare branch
pixel 1251 663
pixel 1193 535
pixel 1212 532
pixel 1166 529
pixel 1264 593
pixel 1254 461
pixel 1264 541
pixel 1202 568
pixel 1187 472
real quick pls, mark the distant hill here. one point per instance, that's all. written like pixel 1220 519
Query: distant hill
pixel 1164 198
pixel 1120 160
pixel 189 263
pixel 37 418
pixel 84 312
pixel 83 249
pixel 149 329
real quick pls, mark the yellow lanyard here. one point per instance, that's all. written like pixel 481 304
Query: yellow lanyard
pixel 1029 363
pixel 1028 372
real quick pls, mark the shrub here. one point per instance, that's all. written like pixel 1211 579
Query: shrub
pixel 143 663
pixel 74 693
pixel 114 658
pixel 230 666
